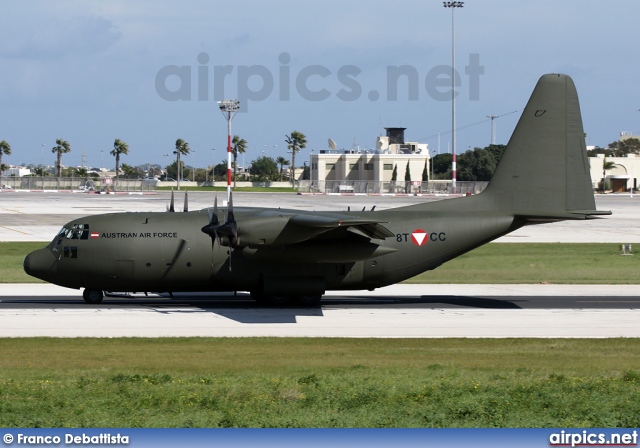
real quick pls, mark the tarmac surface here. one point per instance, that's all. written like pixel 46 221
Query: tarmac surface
pixel 409 311
pixel 396 311
pixel 39 216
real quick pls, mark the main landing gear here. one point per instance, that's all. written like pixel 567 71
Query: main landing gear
pixel 92 296
pixel 283 300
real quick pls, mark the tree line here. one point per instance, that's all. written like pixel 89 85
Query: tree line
pixel 477 164
pixel 265 168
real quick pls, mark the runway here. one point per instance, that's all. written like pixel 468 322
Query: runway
pixel 399 311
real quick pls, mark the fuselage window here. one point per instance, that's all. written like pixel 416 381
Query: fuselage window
pixel 70 252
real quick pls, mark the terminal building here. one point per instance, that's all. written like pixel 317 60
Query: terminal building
pixel 371 165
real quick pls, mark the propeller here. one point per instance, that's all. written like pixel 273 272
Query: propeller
pixel 211 229
pixel 230 228
pixel 226 233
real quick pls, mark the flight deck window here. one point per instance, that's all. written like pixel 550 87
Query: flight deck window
pixel 75 232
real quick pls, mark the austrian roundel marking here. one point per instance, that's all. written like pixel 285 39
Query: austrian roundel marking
pixel 419 237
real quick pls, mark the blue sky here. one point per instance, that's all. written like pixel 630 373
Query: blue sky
pixel 88 72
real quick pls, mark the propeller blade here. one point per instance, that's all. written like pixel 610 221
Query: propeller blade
pixel 228 230
pixel 171 207
pixel 170 265
pixel 186 202
pixel 215 211
pixel 230 217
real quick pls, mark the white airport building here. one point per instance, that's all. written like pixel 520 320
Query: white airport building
pixel 370 165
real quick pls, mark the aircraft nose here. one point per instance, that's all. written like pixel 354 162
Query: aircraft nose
pixel 39 263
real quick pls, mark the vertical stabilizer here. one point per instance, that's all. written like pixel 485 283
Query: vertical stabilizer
pixel 544 171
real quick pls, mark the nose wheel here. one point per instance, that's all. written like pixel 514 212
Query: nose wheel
pixel 92 296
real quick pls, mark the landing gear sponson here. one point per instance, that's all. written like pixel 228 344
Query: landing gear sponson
pixel 95 296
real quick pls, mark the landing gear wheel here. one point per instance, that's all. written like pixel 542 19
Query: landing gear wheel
pixel 259 297
pixel 309 299
pixel 92 296
pixel 278 300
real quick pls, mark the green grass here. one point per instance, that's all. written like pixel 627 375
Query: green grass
pixel 11 257
pixel 283 382
pixel 538 263
pixel 492 263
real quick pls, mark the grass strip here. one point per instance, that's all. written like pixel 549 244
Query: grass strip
pixel 557 263
pixel 11 258
pixel 289 382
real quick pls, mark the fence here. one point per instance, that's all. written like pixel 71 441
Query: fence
pixel 374 187
pixel 49 183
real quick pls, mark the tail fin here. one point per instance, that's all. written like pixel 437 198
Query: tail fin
pixel 544 172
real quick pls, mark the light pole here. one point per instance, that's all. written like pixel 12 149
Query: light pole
pixel 493 128
pixel 229 109
pixel 193 168
pixel 213 167
pixel 166 173
pixel 493 125
pixel 43 166
pixel 311 167
pixel 453 6
pixel 179 176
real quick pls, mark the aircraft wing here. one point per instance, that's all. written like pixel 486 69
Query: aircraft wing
pixel 371 228
pixel 283 228
pixel 315 237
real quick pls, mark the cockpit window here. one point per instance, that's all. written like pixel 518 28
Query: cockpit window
pixel 74 232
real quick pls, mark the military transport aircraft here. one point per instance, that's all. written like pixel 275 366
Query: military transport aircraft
pixel 284 256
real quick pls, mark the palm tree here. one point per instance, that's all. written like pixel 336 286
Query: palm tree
pixel 5 148
pixel 295 142
pixel 119 147
pixel 239 147
pixel 182 148
pixel 62 147
pixel 606 166
pixel 282 162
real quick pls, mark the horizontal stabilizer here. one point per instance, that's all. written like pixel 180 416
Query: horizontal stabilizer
pixel 570 215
